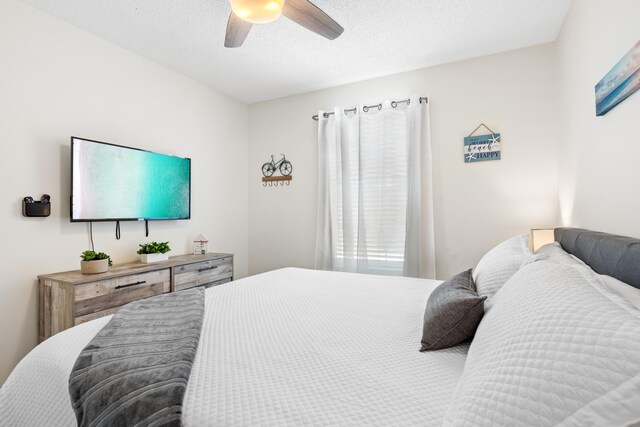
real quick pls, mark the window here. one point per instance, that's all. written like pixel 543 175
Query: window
pixel 369 201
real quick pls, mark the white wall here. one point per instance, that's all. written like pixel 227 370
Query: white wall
pixel 476 205
pixel 57 81
pixel 598 162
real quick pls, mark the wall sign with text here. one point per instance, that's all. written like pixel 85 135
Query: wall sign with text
pixel 482 147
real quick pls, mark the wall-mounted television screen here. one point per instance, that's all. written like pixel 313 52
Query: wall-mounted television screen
pixel 115 183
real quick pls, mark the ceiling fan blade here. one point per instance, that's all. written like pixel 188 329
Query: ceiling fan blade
pixel 237 31
pixel 310 16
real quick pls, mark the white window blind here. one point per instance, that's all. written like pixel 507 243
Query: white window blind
pixel 372 219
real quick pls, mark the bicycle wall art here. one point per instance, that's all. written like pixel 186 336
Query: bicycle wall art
pixel 283 166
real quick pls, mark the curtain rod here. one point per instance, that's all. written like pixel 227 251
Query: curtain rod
pixel 366 108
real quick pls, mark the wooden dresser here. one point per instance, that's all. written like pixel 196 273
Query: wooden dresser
pixel 71 298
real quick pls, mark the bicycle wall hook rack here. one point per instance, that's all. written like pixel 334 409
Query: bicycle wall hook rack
pixel 283 166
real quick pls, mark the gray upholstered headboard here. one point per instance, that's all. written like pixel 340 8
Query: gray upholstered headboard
pixel 615 256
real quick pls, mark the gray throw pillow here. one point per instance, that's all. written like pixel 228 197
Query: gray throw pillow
pixel 453 313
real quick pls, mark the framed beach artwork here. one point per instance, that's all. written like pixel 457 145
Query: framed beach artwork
pixel 620 82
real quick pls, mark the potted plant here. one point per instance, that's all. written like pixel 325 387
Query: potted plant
pixel 154 252
pixel 94 262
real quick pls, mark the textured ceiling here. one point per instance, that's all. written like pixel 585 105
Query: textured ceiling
pixel 381 37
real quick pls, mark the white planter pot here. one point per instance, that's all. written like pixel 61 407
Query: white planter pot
pixel 94 267
pixel 149 258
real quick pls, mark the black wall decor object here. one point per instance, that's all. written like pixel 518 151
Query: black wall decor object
pixel 283 165
pixel 36 208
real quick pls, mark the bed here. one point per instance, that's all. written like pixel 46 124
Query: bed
pixel 305 347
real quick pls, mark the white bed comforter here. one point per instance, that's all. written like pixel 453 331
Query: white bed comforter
pixel 289 347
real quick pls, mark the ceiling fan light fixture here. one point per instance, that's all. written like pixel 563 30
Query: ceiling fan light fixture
pixel 257 11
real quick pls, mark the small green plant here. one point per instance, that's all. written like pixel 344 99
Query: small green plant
pixel 154 248
pixel 95 256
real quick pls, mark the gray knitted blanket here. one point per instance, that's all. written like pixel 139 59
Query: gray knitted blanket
pixel 135 370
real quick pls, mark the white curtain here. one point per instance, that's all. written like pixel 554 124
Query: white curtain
pixel 375 209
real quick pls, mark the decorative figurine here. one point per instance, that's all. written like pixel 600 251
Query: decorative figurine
pixel 200 245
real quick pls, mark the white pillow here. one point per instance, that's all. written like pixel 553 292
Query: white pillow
pixel 624 290
pixel 500 263
pixel 557 348
pixel 555 253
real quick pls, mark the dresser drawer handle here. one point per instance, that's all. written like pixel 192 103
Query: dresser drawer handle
pixel 130 284
pixel 207 268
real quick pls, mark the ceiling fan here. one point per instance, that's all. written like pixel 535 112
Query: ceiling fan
pixel 245 13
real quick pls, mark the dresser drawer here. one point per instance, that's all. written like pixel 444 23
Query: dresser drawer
pixel 202 273
pixel 112 293
pixel 219 282
pixel 92 316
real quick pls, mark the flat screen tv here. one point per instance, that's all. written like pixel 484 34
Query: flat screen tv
pixel 114 183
